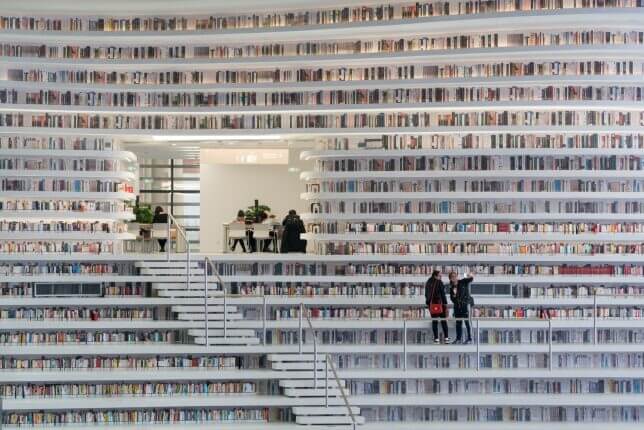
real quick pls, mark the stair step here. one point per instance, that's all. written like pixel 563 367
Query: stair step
pixel 309 383
pixel 296 366
pixel 327 419
pixel 186 293
pixel 199 309
pixel 293 357
pixel 219 332
pixel 171 271
pixel 211 317
pixel 165 264
pixel 311 392
pixel 227 340
pixel 322 410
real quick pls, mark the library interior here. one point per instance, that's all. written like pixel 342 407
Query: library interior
pixel 340 214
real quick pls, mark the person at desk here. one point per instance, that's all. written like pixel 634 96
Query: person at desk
pixel 241 219
pixel 160 217
pixel 293 227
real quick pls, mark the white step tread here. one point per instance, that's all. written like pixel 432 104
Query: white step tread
pixel 171 271
pixel 293 357
pixel 296 366
pixel 311 392
pixel 200 308
pixel 211 317
pixel 227 341
pixel 185 293
pixel 309 383
pixel 165 264
pixel 328 419
pixel 322 410
pixel 217 332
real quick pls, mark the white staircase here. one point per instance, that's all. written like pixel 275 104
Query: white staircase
pixel 169 279
pixel 336 414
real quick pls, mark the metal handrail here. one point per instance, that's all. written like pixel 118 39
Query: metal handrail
pixel 342 392
pixel 183 235
pixel 327 361
pixel 208 262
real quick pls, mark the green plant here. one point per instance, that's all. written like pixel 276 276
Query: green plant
pixel 252 213
pixel 143 214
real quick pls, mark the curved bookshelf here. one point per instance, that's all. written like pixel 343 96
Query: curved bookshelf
pixel 558 274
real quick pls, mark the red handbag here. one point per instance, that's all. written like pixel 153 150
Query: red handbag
pixel 435 308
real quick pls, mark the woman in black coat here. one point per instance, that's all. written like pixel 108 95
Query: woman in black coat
pixel 435 294
pixel 293 227
pixel 459 293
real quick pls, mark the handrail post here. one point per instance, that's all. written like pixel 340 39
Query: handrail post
pixel 169 244
pixel 595 317
pixel 478 345
pixel 263 319
pixel 326 381
pixel 205 299
pixel 315 361
pixel 299 337
pixel 188 264
pixel 549 344
pixel 223 289
pixel 404 345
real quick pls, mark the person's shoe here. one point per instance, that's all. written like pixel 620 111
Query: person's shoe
pixel 447 340
pixel 457 341
pixel 467 342
pixel 437 341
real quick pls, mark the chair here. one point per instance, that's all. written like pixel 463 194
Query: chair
pixel 237 231
pixel 160 231
pixel 131 244
pixel 262 232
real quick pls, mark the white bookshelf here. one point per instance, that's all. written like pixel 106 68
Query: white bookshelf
pixel 570 322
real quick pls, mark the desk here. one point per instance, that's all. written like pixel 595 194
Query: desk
pixel 276 234
pixel 143 241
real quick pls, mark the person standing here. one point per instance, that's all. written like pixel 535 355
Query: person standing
pixel 293 227
pixel 160 217
pixel 459 293
pixel 437 303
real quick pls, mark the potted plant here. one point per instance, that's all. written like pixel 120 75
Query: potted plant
pixel 143 214
pixel 253 212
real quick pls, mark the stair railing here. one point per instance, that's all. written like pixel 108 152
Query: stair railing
pixel 207 262
pixel 328 362
pixel 180 233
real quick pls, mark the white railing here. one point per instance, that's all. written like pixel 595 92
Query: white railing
pixel 328 362
pixel 476 324
pixel 208 263
pixel 180 233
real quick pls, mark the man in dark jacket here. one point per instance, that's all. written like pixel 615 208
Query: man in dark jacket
pixel 435 294
pixel 293 227
pixel 459 293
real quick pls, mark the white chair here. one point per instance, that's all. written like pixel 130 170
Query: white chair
pixel 237 231
pixel 135 229
pixel 160 231
pixel 262 232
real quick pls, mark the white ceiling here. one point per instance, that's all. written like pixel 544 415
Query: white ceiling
pixel 151 149
pixel 167 7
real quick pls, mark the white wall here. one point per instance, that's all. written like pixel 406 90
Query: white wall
pixel 227 188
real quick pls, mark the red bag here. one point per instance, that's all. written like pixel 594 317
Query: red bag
pixel 435 308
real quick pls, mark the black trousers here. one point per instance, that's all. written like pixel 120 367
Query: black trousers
pixel 443 324
pixel 462 313
pixel 162 243
pixel 241 242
